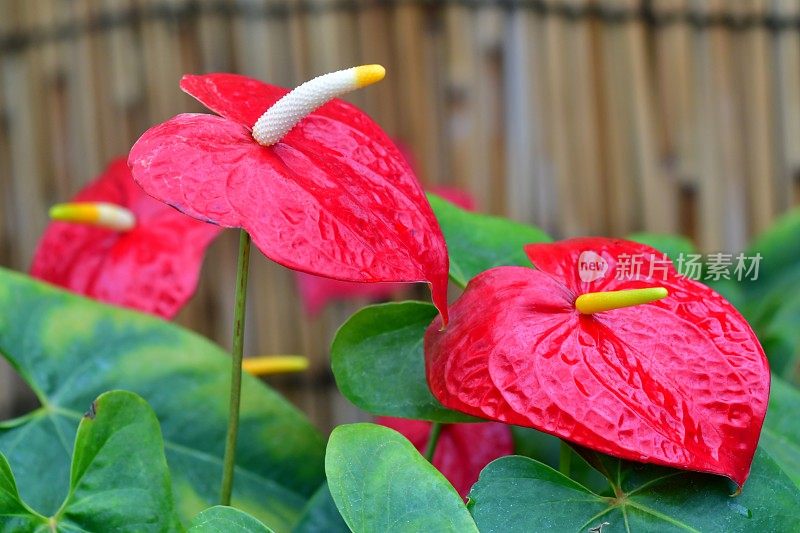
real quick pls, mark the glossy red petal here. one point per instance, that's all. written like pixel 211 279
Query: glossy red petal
pixel 463 449
pixel 233 96
pixel 571 262
pixel 681 382
pixel 154 267
pixel 334 198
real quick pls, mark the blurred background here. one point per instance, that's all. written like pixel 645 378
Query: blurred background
pixel 580 116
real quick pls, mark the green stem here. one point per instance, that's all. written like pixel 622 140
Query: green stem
pixel 433 440
pixel 236 368
pixel 564 458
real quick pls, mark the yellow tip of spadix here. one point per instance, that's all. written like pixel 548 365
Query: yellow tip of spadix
pixel 99 214
pixel 369 74
pixel 86 213
pixel 596 302
pixel 274 364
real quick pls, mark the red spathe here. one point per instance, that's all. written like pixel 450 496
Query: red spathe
pixel 333 198
pixel 681 382
pixel 153 267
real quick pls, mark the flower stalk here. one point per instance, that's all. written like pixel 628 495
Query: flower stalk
pixel 564 458
pixel 237 351
pixel 433 440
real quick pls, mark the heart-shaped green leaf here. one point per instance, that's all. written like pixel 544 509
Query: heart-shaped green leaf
pixel 378 362
pixel 478 242
pixel 321 515
pixel 517 494
pixel 381 483
pixel 221 519
pixel 119 478
pixel 780 436
pixel 70 349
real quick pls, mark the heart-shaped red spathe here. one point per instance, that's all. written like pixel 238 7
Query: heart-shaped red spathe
pixel 333 198
pixel 153 267
pixel 463 449
pixel 681 382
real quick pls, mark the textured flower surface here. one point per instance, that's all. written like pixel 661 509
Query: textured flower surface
pixel 682 381
pixel 317 292
pixel 153 267
pixel 463 449
pixel 334 197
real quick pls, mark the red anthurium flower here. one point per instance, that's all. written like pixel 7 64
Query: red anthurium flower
pixel 321 191
pixel 126 248
pixel 463 449
pixel 316 292
pixel 681 381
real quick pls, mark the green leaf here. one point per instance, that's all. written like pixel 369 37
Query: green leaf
pixel 378 362
pixel 517 494
pixel 780 336
pixel 321 515
pixel 547 449
pixel 119 477
pixel 780 436
pixel 70 349
pixel 779 247
pixel 221 519
pixel 478 242
pixel 381 483
pixel 672 245
pixel 14 514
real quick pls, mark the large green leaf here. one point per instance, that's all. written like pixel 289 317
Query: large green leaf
pixel 478 242
pixel 321 515
pixel 379 365
pixel 221 519
pixel 381 483
pixel 70 349
pixel 780 436
pixel 517 494
pixel 119 477
pixel 780 335
pixel 771 301
pixel 779 247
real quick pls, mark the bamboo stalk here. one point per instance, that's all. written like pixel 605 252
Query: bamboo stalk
pixel 557 120
pixel 419 127
pixel 380 101
pixel 615 72
pixel 521 130
pixel 582 123
pixel 758 127
pixel 786 107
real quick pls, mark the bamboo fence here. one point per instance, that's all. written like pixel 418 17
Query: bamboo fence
pixel 581 116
